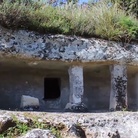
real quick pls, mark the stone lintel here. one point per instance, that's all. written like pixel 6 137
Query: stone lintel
pixel 118 95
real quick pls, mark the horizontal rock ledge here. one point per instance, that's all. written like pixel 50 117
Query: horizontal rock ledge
pixel 31 45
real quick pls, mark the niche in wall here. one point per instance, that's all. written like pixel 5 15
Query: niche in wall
pixel 51 88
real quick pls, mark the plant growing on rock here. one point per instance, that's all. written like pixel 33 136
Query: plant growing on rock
pixel 22 128
pixel 98 20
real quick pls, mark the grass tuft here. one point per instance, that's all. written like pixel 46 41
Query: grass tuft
pixel 99 20
pixel 22 128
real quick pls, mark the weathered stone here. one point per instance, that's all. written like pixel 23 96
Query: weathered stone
pixel 27 44
pixel 93 125
pixel 75 131
pixel 118 96
pixel 76 84
pixel 31 45
pixel 39 133
pixel 136 88
pixel 29 103
pixel 81 107
pixel 76 89
pixel 5 123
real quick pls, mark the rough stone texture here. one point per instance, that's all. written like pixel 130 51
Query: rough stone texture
pixel 118 96
pixel 28 102
pixel 95 125
pixel 5 123
pixel 58 47
pixel 80 107
pixel 16 81
pixel 30 45
pixel 136 89
pixel 39 133
pixel 20 81
pixel 75 131
pixel 76 84
pixel 76 89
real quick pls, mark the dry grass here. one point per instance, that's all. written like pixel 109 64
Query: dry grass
pixel 100 20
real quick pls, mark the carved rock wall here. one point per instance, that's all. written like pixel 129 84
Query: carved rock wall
pixel 58 47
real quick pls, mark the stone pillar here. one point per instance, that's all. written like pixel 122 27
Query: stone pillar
pixel 136 90
pixel 118 95
pixel 76 90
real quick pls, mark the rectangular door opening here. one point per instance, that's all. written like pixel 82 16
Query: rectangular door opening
pixel 51 88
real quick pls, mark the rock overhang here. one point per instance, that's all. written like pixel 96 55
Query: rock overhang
pixel 23 44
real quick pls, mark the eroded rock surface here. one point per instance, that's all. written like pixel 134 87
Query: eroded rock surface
pixel 59 47
pixel 29 102
pixel 5 123
pixel 81 125
pixel 76 131
pixel 39 133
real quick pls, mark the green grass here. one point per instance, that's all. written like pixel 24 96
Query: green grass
pixel 22 128
pixel 99 20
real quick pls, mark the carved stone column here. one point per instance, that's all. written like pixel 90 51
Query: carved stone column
pixel 118 95
pixel 76 90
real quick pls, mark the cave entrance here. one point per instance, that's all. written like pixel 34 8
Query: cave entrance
pixel 51 88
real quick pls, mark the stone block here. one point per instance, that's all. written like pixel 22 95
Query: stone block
pixel 70 107
pixel 29 103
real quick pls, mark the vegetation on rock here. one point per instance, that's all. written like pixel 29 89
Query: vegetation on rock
pixel 99 20
pixel 21 128
pixel 130 6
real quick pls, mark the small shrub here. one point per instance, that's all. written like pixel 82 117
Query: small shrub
pixel 22 128
pixel 129 27
pixel 19 129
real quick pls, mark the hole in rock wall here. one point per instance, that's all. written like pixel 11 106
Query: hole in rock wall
pixel 51 88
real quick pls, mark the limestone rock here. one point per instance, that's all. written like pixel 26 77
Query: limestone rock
pixel 76 131
pixel 5 123
pixel 28 44
pixel 29 103
pixel 76 107
pixel 82 125
pixel 39 133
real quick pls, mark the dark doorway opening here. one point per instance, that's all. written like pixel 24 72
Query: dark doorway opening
pixel 51 88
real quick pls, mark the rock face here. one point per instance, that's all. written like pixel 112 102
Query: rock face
pixel 76 131
pixel 27 44
pixel 118 95
pixel 81 107
pixel 39 133
pixel 31 45
pixel 5 123
pixel 81 125
pixel 76 90
pixel 28 102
